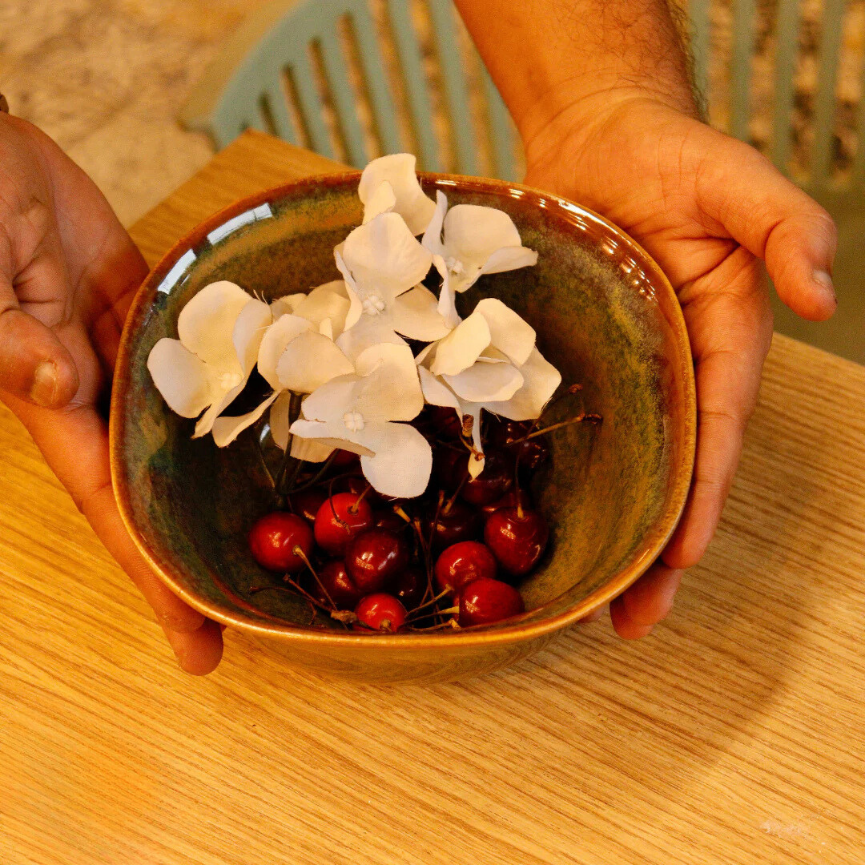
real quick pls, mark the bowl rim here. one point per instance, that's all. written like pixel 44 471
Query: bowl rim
pixel 519 631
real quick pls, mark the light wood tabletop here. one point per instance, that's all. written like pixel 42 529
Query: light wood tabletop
pixel 733 734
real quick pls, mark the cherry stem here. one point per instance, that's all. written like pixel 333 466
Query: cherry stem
pixel 450 502
pixel 580 418
pixel 427 603
pixel 302 555
pixel 353 508
pixel 296 590
pixel 321 473
pixel 452 611
pixel 450 623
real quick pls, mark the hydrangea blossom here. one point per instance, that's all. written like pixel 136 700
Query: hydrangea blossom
pixel 474 240
pixel 360 412
pixel 341 348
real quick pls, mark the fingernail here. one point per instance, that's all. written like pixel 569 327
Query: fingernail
pixel 44 386
pixel 822 278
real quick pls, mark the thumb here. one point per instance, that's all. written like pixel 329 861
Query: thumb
pixel 34 364
pixel 774 220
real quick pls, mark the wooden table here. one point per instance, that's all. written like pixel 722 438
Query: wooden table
pixel 734 734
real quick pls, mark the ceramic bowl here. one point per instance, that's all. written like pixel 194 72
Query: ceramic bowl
pixel 605 316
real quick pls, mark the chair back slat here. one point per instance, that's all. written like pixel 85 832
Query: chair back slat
pixel 344 98
pixel 277 108
pixel 831 32
pixel 502 135
pixel 698 11
pixel 378 90
pixel 311 108
pixel 455 84
pixel 786 53
pixel 417 91
pixel 740 70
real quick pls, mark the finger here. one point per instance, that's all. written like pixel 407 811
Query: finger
pixel 198 652
pixel 74 443
pixel 774 220
pixel 730 327
pixel 649 601
pixel 34 364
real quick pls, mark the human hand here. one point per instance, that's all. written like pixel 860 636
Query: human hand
pixel 68 271
pixel 710 210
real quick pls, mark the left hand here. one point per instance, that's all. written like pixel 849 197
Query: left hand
pixel 710 210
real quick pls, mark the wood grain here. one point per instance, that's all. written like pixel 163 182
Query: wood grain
pixel 731 735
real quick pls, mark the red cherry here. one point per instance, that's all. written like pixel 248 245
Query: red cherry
pixel 463 563
pixel 335 584
pixel 409 587
pixel 274 538
pixel 483 602
pixel 374 558
pixel 380 612
pixel 460 522
pixel 307 502
pixel 339 520
pixel 493 482
pixel 517 541
pixel 510 499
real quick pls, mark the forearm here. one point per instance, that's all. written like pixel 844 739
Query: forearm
pixel 548 55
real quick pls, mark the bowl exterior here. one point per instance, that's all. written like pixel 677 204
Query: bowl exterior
pixel 605 314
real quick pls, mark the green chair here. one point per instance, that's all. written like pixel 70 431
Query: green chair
pixel 305 70
pixel 840 188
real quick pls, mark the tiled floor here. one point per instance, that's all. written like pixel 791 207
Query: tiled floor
pixel 105 78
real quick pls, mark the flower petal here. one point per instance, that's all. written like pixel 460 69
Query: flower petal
pixel 285 305
pixel 385 257
pixel 331 301
pixel 370 330
pixel 390 385
pixel 541 380
pixel 328 434
pixel 381 200
pixel 226 429
pixel 185 381
pixel 435 391
pixel 311 450
pixel 398 171
pixel 447 297
pixel 510 258
pixel 279 419
pixel 206 323
pixel 309 361
pixel 486 382
pixel 508 332
pixel 462 346
pixel 402 462
pixel 472 233
pixel 332 400
pixel 205 423
pixel 273 344
pixel 355 309
pixel 415 315
pixel 249 330
pixel 432 237
pixel 476 466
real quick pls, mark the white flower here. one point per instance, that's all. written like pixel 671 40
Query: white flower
pixel 220 330
pixel 389 184
pixel 488 361
pixel 357 412
pixel 382 264
pixel 474 240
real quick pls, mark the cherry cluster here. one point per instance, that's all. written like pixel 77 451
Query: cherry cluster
pixel 447 559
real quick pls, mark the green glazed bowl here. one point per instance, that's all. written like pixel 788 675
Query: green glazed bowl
pixel 605 316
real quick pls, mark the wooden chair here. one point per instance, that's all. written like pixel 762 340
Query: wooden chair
pixel 317 74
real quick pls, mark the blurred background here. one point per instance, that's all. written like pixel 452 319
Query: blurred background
pixel 107 80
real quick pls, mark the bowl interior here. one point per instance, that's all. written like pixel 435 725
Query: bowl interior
pixel 605 316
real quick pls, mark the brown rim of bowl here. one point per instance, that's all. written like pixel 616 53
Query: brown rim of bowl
pixel 505 634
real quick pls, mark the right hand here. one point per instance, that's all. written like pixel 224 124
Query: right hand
pixel 68 272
